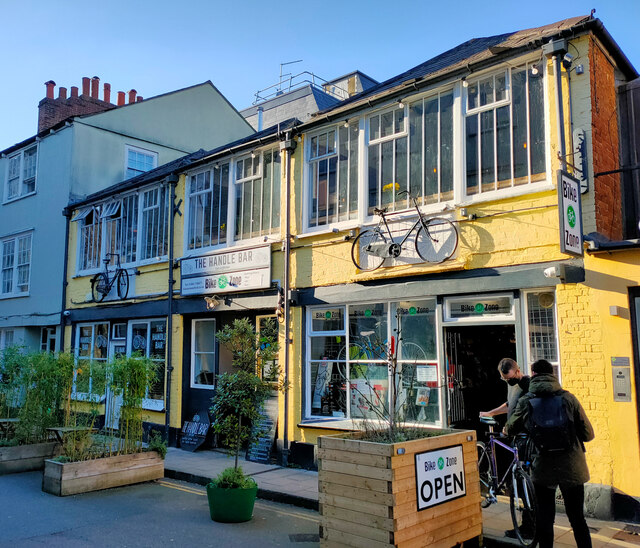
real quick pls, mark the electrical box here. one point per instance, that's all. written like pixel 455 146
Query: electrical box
pixel 621 384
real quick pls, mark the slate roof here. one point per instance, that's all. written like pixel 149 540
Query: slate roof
pixel 478 51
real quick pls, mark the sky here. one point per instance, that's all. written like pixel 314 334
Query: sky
pixel 159 46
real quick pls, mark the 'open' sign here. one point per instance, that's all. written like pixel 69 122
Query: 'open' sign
pixel 440 476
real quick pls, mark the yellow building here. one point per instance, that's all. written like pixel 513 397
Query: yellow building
pixel 479 138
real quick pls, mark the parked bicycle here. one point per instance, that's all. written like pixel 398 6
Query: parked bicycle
pixel 435 241
pixel 102 283
pixel 515 481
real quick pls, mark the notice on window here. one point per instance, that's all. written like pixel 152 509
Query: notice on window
pixel 440 476
pixel 427 373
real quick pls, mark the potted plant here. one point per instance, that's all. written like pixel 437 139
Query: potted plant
pixel 34 390
pixel 236 410
pixel 392 482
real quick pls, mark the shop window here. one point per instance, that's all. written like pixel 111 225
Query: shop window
pixel 203 354
pixel 542 337
pixel 348 361
pixel 92 350
pixel 148 338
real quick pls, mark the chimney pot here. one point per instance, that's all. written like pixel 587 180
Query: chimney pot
pixel 74 91
pixel 132 96
pixel 120 98
pixel 107 93
pixel 50 87
pixel 62 93
pixel 95 83
pixel 138 98
pixel 86 83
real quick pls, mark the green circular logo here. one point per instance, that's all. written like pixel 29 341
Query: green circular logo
pixel 327 315
pixel 440 463
pixel 413 311
pixel 479 308
pixel 367 313
pixel 222 282
pixel 571 216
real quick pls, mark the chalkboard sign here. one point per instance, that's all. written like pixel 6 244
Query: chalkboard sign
pixel 194 432
pixel 261 451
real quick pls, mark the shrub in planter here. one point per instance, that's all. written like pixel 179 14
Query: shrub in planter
pixel 236 408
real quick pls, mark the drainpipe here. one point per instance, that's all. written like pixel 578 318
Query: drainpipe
pixel 172 180
pixel 67 213
pixel 287 146
pixel 260 119
pixel 557 49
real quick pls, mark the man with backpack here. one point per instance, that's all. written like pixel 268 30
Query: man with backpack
pixel 558 428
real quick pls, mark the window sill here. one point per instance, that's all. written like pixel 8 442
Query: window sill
pixel 6 296
pixel 503 194
pixel 203 386
pixel 346 425
pixel 328 229
pixel 17 198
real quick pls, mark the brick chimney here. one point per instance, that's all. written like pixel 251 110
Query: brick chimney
pixel 51 111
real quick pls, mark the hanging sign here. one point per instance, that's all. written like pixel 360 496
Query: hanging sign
pixel 570 210
pixel 440 476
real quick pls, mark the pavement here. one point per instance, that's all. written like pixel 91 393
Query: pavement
pixel 300 488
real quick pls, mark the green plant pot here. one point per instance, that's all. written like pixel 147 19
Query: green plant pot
pixel 231 505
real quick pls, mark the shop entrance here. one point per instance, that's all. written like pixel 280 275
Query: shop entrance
pixel 473 382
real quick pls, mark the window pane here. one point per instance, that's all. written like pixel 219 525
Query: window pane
pixel 374 128
pixel 388 178
pixel 536 119
pixel 327 319
pixel 265 225
pixel 343 174
pixel 326 348
pixel 415 150
pixel 256 209
pixel 204 369
pixel 472 154
pixel 223 202
pixel 401 168
pixel 332 190
pixel 417 330
pixel 322 144
pixel 446 146
pixel 472 96
pixel 277 181
pixel 386 124
pixel 519 124
pixel 399 120
pixel 245 188
pixel 353 170
pixel 331 142
pixel 328 388
pixel 503 138
pixel 374 163
pixel 486 91
pixel 486 149
pixel 542 330
pixel 157 350
pixel 204 336
pixel 369 391
pixel 431 149
pixel 368 329
pixel 101 341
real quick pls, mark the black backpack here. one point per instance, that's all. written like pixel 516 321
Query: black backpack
pixel 550 427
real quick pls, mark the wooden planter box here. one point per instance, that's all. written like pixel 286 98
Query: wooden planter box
pixel 71 478
pixel 25 458
pixel 369 494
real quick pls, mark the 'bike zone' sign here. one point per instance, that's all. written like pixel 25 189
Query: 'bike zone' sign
pixel 570 206
pixel 440 476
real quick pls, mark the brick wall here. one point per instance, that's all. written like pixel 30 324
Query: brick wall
pixel 604 125
pixel 52 111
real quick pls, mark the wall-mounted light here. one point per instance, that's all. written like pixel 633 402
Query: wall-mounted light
pixel 346 123
pixel 400 104
pixel 211 302
pixel 465 84
pixel 535 71
pixel 253 154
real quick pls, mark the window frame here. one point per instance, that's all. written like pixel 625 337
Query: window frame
pixel 15 266
pixel 137 150
pixel 557 363
pixel 4 335
pixel 192 382
pixel 89 396
pixel 20 179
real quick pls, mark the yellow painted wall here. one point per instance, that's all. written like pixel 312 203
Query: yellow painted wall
pixel 589 338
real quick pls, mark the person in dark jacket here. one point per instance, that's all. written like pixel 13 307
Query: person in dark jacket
pixel 566 469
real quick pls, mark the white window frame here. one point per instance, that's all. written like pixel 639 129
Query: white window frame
pixel 15 266
pixel 20 179
pixel 138 150
pixel 224 236
pixel 308 170
pixel 48 335
pixel 5 340
pixel 149 404
pixel 497 319
pixel 87 396
pixel 192 381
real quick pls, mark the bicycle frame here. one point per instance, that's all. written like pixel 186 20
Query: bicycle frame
pixel 419 221
pixel 497 486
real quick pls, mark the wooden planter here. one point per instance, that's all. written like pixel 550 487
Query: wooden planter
pixel 25 458
pixel 369 495
pixel 71 478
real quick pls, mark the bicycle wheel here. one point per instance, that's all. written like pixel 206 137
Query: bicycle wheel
pixel 123 284
pixel 438 242
pixel 99 287
pixel 411 351
pixel 522 500
pixel 484 470
pixel 360 250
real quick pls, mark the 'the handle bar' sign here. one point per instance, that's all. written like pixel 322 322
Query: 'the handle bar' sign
pixel 440 476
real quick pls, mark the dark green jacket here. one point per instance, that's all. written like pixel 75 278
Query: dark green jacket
pixel 567 467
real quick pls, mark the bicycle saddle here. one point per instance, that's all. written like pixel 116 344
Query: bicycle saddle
pixel 366 333
pixel 380 211
pixel 489 420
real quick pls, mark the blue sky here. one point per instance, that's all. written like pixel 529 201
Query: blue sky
pixel 159 46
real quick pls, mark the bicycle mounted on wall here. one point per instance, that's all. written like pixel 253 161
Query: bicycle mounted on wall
pixel 102 283
pixel 435 241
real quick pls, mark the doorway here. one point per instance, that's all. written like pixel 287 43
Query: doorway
pixel 473 381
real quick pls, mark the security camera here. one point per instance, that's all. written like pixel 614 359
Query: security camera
pixel 66 313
